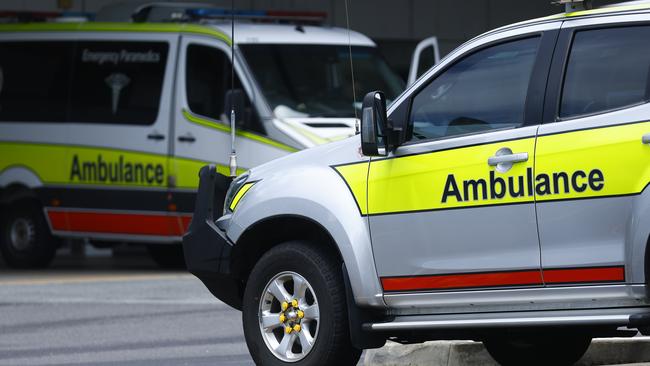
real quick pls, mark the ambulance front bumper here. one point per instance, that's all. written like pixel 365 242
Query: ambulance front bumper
pixel 207 248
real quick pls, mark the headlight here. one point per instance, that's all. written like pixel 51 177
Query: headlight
pixel 235 186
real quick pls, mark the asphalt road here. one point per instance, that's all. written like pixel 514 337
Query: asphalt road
pixel 115 311
pixel 104 311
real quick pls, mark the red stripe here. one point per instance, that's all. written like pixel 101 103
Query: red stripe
pixel 503 279
pixel 119 223
pixel 58 220
pixel 466 280
pixel 577 275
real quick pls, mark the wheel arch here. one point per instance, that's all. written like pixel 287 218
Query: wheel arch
pixel 269 232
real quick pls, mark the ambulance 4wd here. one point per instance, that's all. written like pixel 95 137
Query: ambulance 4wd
pixel 501 198
pixel 104 126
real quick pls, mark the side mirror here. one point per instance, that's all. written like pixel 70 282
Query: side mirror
pixel 374 125
pixel 235 99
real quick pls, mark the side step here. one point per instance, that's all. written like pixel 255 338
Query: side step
pixel 630 317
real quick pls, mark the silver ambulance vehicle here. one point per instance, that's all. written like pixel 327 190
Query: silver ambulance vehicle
pixel 104 126
pixel 501 198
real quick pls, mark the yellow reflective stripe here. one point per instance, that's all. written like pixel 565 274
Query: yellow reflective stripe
pixel 186 171
pixel 355 176
pixel 238 196
pixel 216 125
pixel 615 151
pixel 419 182
pixel 85 165
pixel 592 163
pixel 116 27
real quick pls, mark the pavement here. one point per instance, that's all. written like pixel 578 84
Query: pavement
pixel 122 311
pixel 126 311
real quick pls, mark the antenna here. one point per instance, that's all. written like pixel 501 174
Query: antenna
pixel 233 152
pixel 354 92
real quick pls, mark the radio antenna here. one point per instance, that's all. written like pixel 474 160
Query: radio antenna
pixel 354 92
pixel 233 152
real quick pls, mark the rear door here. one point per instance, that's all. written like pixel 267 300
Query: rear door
pixel 444 213
pixel 594 153
pixel 118 136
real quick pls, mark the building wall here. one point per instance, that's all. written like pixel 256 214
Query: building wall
pixel 396 25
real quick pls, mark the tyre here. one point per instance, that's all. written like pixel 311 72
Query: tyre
pixel 169 256
pixel 557 349
pixel 294 309
pixel 25 240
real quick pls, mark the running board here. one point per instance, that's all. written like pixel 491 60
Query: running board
pixel 632 317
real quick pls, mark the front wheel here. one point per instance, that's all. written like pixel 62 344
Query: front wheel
pixel 294 309
pixel 25 238
pixel 546 349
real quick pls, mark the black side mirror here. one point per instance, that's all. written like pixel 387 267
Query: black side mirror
pixel 374 125
pixel 235 99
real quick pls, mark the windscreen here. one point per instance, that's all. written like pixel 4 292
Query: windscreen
pixel 315 80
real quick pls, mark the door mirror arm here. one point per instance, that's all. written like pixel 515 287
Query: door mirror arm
pixel 379 135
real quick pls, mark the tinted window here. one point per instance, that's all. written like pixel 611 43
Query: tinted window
pixel 301 80
pixel 207 79
pixel 607 69
pixel 34 81
pixel 118 82
pixel 486 90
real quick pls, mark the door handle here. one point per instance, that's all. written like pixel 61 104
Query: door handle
pixel 186 138
pixel 509 158
pixel 155 136
pixel 646 139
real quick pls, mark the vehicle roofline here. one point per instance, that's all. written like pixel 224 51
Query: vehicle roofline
pixel 116 27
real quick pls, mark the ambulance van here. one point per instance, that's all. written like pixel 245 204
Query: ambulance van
pixel 104 126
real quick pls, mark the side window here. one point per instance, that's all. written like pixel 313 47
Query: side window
pixel 117 82
pixel 607 69
pixel 483 91
pixel 34 81
pixel 207 79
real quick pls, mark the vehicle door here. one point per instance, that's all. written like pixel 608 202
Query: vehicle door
pixel 425 56
pixel 202 132
pixel 453 208
pixel 118 136
pixel 594 152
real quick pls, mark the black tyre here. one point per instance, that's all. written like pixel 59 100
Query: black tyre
pixel 25 240
pixel 558 349
pixel 169 256
pixel 313 329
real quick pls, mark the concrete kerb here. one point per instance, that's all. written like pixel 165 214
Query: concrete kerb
pixel 606 351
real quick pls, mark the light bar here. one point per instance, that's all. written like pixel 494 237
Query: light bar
pixel 260 15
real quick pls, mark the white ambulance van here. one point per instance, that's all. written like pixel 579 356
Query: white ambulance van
pixel 104 126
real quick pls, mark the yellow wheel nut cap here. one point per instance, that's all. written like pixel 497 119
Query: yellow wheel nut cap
pixel 294 303
pixel 296 328
pixel 301 314
pixel 282 318
pixel 287 330
pixel 285 305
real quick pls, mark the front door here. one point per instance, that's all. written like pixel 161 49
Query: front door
pixel 454 208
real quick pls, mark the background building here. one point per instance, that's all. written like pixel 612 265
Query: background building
pixel 396 25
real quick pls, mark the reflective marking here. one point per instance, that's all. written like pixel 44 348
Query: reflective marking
pixel 122 223
pixel 242 191
pixel 505 279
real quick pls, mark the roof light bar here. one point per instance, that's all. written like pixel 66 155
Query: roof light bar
pixel 310 17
